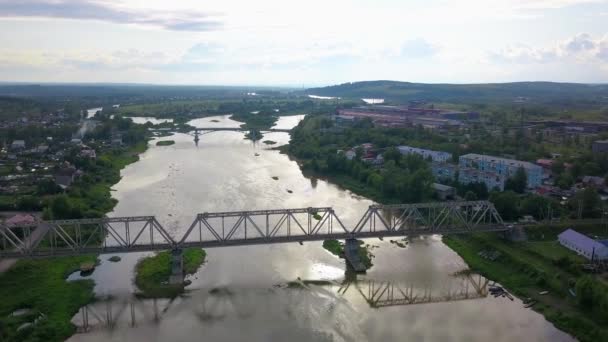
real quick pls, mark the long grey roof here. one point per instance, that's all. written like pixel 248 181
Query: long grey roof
pixel 524 164
pixel 582 241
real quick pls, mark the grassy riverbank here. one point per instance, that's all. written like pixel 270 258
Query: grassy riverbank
pixel 152 273
pixel 528 268
pixel 41 284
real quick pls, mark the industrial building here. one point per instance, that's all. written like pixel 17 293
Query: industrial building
pixel 583 245
pixel 503 168
pixel 400 116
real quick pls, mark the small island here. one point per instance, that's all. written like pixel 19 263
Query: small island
pixel 152 273
pixel 269 142
pixel 114 258
pixel 165 143
pixel 336 247
pixel 275 177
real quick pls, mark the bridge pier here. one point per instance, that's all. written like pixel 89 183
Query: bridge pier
pixel 177 267
pixel 351 254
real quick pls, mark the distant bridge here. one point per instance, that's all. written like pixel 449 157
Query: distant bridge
pixel 240 228
pixel 239 129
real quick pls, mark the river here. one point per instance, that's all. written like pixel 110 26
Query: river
pixel 240 293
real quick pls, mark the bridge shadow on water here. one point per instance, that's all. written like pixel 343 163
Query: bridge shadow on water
pixel 211 306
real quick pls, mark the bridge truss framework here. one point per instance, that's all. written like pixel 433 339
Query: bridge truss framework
pixel 238 228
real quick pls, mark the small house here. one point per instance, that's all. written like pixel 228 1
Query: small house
pixel 18 145
pixel 20 220
pixel 444 192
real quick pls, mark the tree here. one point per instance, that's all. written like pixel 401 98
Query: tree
pixel 586 203
pixel 518 182
pixel 537 206
pixel 392 154
pixel 60 207
pixel 585 292
pixel 470 196
pixel 47 187
pixel 506 203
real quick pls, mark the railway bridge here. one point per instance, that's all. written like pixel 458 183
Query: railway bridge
pixel 239 228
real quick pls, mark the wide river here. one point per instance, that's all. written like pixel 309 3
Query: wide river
pixel 410 294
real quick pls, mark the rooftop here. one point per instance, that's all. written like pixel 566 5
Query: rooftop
pixel 581 240
pixel 507 161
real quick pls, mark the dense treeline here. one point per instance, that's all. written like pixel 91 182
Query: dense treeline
pixel 401 179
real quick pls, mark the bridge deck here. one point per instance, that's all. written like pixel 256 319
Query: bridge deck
pixel 241 228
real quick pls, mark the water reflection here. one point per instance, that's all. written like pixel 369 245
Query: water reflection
pixel 223 303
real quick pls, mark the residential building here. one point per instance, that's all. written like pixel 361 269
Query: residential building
pixel 436 156
pixel 88 153
pixel 20 220
pixel 545 163
pixel 600 146
pixel 583 245
pixel 42 149
pixel 444 192
pixel 65 176
pixel 594 181
pixel 116 140
pixel 504 168
pixel 492 180
pixel 444 171
pixel 18 145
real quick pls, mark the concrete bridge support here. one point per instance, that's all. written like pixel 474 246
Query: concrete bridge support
pixel 177 267
pixel 351 254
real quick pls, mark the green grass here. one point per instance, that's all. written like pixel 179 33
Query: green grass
pixel 165 143
pixel 528 268
pixel 41 286
pixel 335 247
pixel 152 274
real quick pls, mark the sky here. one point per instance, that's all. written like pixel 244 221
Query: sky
pixel 303 43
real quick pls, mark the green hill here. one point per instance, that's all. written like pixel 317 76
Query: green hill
pixel 561 94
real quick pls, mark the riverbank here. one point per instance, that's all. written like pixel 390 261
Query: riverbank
pixel 530 268
pixel 152 273
pixel 40 285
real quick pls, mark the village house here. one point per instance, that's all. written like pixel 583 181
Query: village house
pixel 18 145
pixel 20 220
pixel 66 176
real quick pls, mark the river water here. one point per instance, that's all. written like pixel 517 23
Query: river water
pixel 240 293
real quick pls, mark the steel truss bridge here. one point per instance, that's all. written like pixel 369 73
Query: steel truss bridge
pixel 238 129
pixel 216 304
pixel 240 228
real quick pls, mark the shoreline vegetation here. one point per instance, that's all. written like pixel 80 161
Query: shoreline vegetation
pixel 41 285
pixel 574 302
pixel 152 273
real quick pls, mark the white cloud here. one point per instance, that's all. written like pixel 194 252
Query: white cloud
pixel 110 12
pixel 581 48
